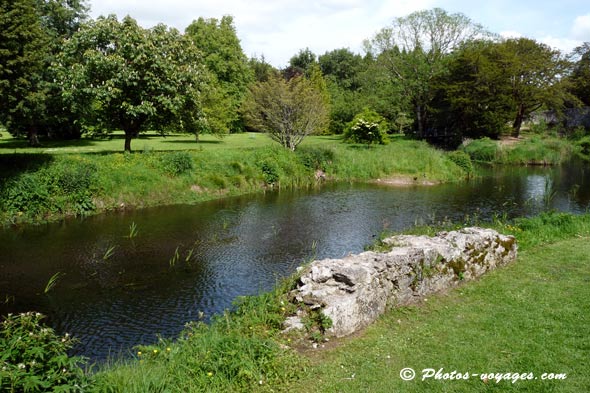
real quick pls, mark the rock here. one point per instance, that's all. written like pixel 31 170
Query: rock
pixel 355 290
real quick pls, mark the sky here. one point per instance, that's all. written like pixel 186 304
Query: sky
pixel 278 29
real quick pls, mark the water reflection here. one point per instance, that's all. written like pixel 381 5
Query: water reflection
pixel 119 291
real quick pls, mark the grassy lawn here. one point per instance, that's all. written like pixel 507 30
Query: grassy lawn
pixel 530 317
pixel 151 141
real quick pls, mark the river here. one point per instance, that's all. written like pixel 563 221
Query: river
pixel 118 289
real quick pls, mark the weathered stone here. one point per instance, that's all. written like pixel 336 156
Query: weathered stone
pixel 355 290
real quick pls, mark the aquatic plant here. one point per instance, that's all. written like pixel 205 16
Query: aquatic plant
pixel 52 281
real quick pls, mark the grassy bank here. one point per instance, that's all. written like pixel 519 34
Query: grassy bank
pixel 57 181
pixel 531 316
pixel 531 150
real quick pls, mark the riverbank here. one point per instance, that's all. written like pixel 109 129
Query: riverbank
pixel 55 184
pixel 529 317
pixel 529 150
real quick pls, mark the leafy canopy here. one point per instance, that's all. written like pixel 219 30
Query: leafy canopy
pixel 287 111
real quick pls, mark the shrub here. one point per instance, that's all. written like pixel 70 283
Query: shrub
pixel 367 127
pixel 462 160
pixel 33 358
pixel 315 157
pixel 177 163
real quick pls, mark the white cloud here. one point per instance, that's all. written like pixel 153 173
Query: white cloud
pixel 565 45
pixel 581 28
pixel 511 34
pixel 278 28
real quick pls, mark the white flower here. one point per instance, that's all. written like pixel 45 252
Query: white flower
pixel 21 365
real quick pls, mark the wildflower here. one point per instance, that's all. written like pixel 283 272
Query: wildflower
pixel 155 351
pixel 21 365
pixel 138 353
pixel 168 349
pixel 210 374
pixel 283 308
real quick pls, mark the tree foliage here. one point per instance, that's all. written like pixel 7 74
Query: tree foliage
pixel 412 52
pixel 223 56
pixel 580 76
pixel 534 72
pixel 287 110
pixel 23 54
pixel 120 76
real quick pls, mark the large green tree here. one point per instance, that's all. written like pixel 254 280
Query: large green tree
pixel 534 72
pixel 474 98
pixel 33 32
pixel 223 55
pixel 23 54
pixel 580 76
pixel 412 53
pixel 121 76
pixel 287 110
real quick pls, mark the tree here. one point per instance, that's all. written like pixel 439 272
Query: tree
pixel 534 71
pixel 224 58
pixel 580 76
pixel 287 110
pixel 342 67
pixel 413 50
pixel 23 51
pixel 261 69
pixel 474 98
pixel 300 64
pixel 120 76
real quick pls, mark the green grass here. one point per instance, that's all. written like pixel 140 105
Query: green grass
pixel 50 183
pixel 529 317
pixel 532 150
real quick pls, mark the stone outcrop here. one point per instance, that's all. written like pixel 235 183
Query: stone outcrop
pixel 355 290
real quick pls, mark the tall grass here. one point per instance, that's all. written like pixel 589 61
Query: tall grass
pixel 534 150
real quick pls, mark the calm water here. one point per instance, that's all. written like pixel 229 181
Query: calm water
pixel 190 259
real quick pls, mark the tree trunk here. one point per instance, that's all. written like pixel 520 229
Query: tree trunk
pixel 420 119
pixel 518 121
pixel 128 136
pixel 33 137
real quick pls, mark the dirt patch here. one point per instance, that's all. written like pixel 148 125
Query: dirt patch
pixel 509 141
pixel 406 181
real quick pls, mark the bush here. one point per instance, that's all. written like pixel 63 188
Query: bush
pixel 65 186
pixel 462 160
pixel 367 127
pixel 177 163
pixel 34 359
pixel 315 157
